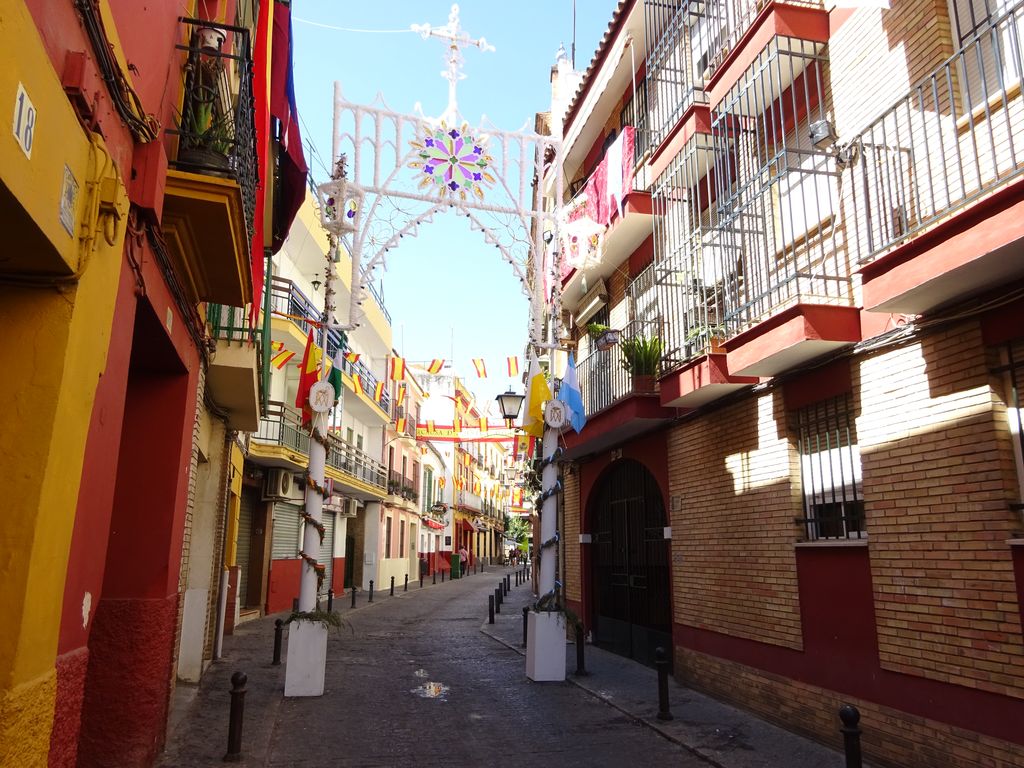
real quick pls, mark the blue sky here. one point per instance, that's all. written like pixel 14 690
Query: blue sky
pixel 446 288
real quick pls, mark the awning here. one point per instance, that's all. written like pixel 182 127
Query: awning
pixel 430 523
pixel 465 525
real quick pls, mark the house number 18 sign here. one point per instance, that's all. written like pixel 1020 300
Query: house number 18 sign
pixel 24 121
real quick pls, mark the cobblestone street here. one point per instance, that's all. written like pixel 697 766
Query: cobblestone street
pixel 374 713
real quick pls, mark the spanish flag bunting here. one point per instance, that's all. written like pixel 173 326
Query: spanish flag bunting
pixel 458 483
pixel 357 383
pixel 476 486
pixel 400 425
pixel 398 369
pixel 466 460
pixel 430 428
pixel 351 357
pixel 378 391
pixel 481 369
pixel 309 374
pixel 401 396
pixel 483 425
pixel 435 365
pixel 513 366
pixel 281 356
pixel 441 481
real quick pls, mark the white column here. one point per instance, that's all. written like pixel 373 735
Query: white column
pixel 545 630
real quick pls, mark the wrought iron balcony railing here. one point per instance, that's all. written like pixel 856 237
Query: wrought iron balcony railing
pixel 406 487
pixel 287 300
pixel 216 126
pixel 602 378
pixel 956 136
pixel 282 426
pixel 231 324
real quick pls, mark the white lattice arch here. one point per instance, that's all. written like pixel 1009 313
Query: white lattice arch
pixel 365 209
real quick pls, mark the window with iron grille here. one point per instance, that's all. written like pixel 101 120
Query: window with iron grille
pixel 830 474
pixel 387 537
pixel 634 113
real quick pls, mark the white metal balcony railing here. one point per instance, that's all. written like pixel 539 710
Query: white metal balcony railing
pixel 956 136
pixel 282 426
pixel 603 380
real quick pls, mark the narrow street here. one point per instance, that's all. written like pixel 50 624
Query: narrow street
pixel 372 715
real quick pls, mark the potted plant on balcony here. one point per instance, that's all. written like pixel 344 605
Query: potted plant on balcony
pixel 207 135
pixel 706 337
pixel 641 357
pixel 604 337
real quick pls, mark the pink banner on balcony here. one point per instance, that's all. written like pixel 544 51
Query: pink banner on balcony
pixel 612 180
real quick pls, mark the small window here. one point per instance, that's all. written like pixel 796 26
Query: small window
pixel 830 473
pixel 401 538
pixel 387 537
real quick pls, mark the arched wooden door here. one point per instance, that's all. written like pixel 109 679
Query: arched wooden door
pixel 631 608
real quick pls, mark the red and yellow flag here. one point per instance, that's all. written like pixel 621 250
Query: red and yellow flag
pixel 378 391
pixel 357 383
pixel 441 481
pixel 430 425
pixel 513 366
pixel 309 373
pixel 400 425
pixel 281 356
pixel 481 368
pixel 401 396
pixel 435 365
pixel 398 369
pixel 351 357
pixel 483 425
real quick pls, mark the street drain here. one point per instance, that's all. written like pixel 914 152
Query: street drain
pixel 431 691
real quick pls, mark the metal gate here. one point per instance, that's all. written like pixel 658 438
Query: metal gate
pixel 326 555
pixel 244 545
pixel 630 564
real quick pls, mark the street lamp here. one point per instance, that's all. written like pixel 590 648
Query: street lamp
pixel 510 403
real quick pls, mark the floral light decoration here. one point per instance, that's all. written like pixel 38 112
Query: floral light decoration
pixel 453 161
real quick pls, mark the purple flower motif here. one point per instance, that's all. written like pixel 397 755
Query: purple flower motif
pixel 351 213
pixel 428 169
pixel 429 142
pixel 330 201
pixel 477 150
pixel 453 185
pixel 477 176
pixel 453 133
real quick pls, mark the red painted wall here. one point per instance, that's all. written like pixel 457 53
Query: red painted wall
pixel 284 584
pixel 338 576
pixel 840 651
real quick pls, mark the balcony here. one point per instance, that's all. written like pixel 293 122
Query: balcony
pixel 936 195
pixel 293 307
pixel 402 487
pixel 210 196
pixel 234 377
pixel 281 441
pixel 618 405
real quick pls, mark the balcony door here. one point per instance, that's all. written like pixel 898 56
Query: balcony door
pixel 630 584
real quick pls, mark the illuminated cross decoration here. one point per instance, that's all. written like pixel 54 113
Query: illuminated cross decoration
pixel 456 39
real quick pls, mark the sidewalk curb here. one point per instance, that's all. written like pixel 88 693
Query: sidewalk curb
pixel 635 718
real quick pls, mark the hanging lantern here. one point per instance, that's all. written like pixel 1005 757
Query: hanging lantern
pixel 341 204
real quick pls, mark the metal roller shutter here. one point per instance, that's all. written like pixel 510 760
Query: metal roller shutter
pixel 244 545
pixel 285 543
pixel 326 555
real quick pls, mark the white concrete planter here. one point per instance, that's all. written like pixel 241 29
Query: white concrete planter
pixel 307 659
pixel 545 646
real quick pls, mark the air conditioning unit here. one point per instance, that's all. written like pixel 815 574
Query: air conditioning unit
pixel 596 298
pixel 349 508
pixel 280 485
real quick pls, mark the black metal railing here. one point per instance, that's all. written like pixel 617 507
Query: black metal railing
pixel 602 378
pixel 287 300
pixel 282 426
pixel 406 487
pixel 216 126
pixel 956 136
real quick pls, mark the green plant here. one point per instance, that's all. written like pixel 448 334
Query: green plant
pixel 701 335
pixel 596 329
pixel 641 355
pixel 204 127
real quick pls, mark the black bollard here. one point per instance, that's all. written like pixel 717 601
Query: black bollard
pixel 234 753
pixel 406 587
pixel 278 632
pixel 442 576
pixel 353 590
pixel 392 586
pixel 481 566
pixel 490 609
pixel 497 599
pixel 850 717
pixel 370 600
pixel 435 577
pixel 661 663
pixel 421 579
pixel 526 612
pixel 517 578
pixel 581 665
pixel 508 583
pixel 330 600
